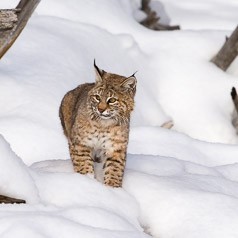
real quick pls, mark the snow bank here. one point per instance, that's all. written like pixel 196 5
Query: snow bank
pixel 185 206
pixel 178 183
pixel 191 14
pixel 49 222
pixel 170 197
pixel 159 141
pixel 15 178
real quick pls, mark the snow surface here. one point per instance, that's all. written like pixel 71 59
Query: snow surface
pixel 179 183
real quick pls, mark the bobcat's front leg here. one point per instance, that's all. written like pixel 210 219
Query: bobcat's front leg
pixel 114 168
pixel 81 157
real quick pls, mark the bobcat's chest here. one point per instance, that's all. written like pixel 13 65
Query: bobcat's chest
pixel 98 139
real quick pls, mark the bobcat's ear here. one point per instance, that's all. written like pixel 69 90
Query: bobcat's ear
pixel 130 83
pixel 99 73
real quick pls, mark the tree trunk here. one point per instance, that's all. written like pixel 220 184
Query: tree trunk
pixel 228 52
pixel 13 26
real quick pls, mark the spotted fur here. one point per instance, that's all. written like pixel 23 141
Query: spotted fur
pixel 96 118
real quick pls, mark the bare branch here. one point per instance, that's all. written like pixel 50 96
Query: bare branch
pixel 20 16
pixel 152 20
pixel 228 52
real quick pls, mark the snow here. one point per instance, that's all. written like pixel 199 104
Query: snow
pixel 13 168
pixel 213 14
pixel 178 183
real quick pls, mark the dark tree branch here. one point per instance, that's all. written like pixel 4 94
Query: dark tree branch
pixel 228 52
pixel 11 28
pixel 152 20
pixel 5 199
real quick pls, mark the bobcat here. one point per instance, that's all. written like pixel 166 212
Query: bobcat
pixel 95 118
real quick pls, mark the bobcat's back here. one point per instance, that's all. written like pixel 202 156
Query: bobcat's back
pixel 70 103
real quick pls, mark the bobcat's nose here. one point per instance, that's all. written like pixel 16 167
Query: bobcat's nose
pixel 101 110
pixel 102 107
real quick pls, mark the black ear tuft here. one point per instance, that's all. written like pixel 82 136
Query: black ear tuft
pixel 96 67
pixel 99 72
pixel 133 75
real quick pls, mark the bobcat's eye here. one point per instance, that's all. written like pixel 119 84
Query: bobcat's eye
pixel 111 100
pixel 97 97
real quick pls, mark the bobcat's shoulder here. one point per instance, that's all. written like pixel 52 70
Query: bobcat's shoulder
pixel 70 103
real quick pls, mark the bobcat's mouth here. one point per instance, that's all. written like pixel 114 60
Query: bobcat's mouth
pixel 105 116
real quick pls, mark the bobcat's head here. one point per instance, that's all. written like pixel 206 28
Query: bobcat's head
pixel 112 97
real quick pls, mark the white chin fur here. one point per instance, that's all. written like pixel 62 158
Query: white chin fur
pixel 105 117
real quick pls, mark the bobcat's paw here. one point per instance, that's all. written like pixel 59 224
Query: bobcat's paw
pixel 113 183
